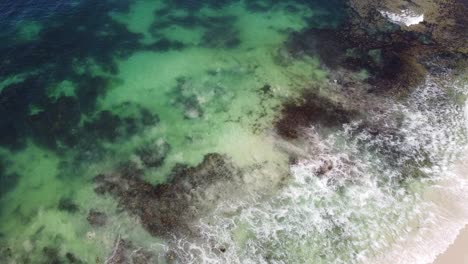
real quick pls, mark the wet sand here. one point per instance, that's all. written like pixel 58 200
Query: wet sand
pixel 457 253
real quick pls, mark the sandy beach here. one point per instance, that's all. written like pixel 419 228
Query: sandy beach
pixel 457 253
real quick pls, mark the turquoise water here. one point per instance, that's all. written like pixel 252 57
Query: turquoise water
pixel 86 87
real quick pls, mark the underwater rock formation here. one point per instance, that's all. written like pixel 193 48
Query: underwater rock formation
pixel 125 252
pixel 222 36
pixel 124 120
pixel 8 181
pixel 394 56
pixel 313 109
pixel 369 57
pixel 60 52
pixel 154 153
pixel 55 124
pixel 185 97
pixel 52 255
pixel 118 254
pixel 66 204
pixel 96 218
pixel 171 208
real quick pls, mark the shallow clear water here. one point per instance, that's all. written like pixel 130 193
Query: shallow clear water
pixel 85 86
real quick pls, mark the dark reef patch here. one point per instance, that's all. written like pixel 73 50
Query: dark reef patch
pixel 96 218
pixel 124 120
pixel 153 154
pixel 313 109
pixel 125 251
pixel 72 259
pixel 69 48
pixel 225 36
pixel 220 32
pixel 8 181
pixel 184 97
pixel 392 55
pixel 15 103
pixel 369 57
pixel 54 125
pixel 165 45
pixel 169 208
pixel 391 66
pixel 92 135
pixel 191 5
pixel 66 204
pixel 52 255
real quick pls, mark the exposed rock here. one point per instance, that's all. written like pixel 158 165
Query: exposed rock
pixel 170 208
pixel 96 218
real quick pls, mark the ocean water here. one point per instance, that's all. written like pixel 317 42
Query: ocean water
pixel 86 86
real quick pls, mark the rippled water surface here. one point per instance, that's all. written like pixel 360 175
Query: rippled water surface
pixel 88 86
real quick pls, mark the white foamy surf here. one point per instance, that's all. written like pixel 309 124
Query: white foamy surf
pixel 394 197
pixel 447 205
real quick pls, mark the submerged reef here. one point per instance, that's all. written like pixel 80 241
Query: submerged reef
pixel 312 109
pixel 171 208
pixel 125 251
pixel 394 57
pixel 152 154
pixel 342 74
pixel 8 181
pixel 66 204
pixel 371 57
pixel 79 53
